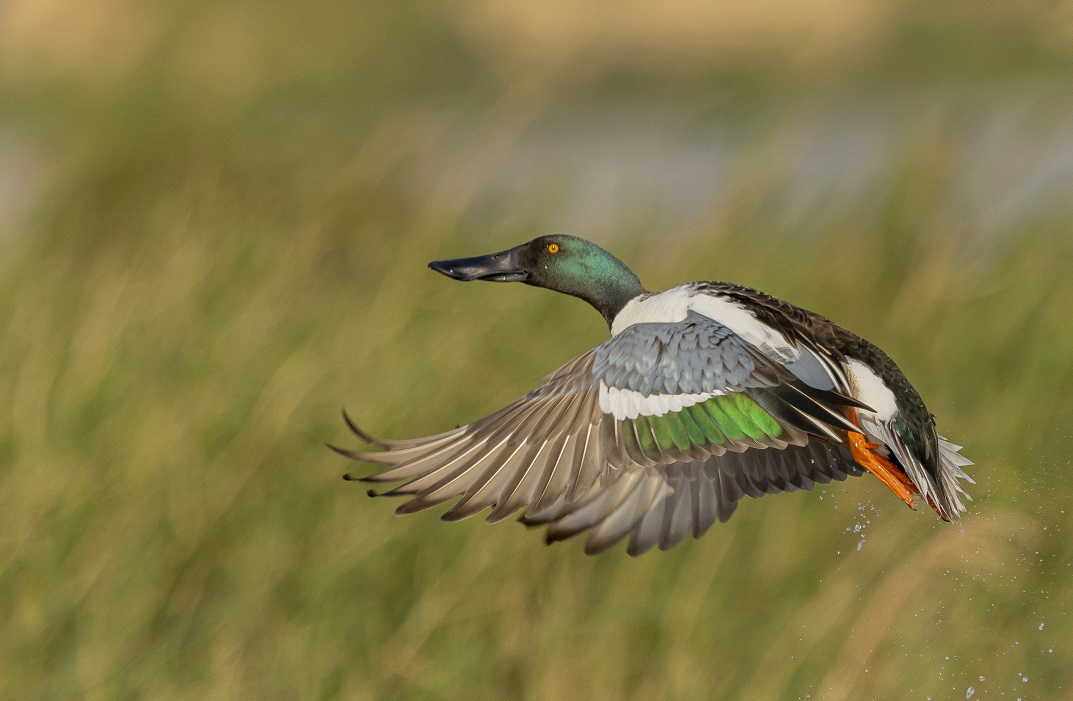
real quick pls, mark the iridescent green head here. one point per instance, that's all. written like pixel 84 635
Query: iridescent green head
pixel 562 263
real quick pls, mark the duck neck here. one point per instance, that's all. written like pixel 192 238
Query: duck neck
pixel 615 292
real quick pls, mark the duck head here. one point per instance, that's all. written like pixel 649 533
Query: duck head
pixel 562 263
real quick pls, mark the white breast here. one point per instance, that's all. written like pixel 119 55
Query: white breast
pixel 871 390
pixel 673 305
pixel 666 307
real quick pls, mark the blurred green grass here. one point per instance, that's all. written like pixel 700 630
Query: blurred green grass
pixel 227 245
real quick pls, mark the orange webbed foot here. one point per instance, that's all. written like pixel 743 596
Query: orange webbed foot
pixel 887 472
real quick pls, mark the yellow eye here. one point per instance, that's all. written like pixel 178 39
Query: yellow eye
pixel 553 248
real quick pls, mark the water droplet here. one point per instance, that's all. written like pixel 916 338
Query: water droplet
pixel 969 692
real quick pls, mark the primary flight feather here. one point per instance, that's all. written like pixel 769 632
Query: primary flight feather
pixel 705 393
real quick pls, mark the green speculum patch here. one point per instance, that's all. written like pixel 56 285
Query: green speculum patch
pixel 737 416
pixel 759 416
pixel 629 438
pixel 734 416
pixel 661 431
pixel 645 438
pixel 696 435
pixel 726 424
pixel 677 429
pixel 703 420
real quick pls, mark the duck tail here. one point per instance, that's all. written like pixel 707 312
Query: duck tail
pixel 951 492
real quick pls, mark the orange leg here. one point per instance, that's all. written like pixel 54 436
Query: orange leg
pixel 887 472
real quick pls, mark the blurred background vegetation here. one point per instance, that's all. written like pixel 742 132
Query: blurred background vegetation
pixel 214 224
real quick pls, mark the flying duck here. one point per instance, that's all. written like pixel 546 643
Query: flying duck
pixel 705 393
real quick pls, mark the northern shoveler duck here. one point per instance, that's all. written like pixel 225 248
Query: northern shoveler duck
pixel 704 393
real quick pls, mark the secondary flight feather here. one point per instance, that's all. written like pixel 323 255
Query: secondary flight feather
pixel 704 394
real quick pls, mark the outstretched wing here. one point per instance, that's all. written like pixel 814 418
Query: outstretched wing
pixel 656 433
pixel 531 454
pixel 662 505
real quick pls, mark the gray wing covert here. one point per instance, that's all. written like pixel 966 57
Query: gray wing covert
pixel 688 357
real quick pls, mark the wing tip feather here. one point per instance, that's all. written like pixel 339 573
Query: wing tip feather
pixel 363 435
